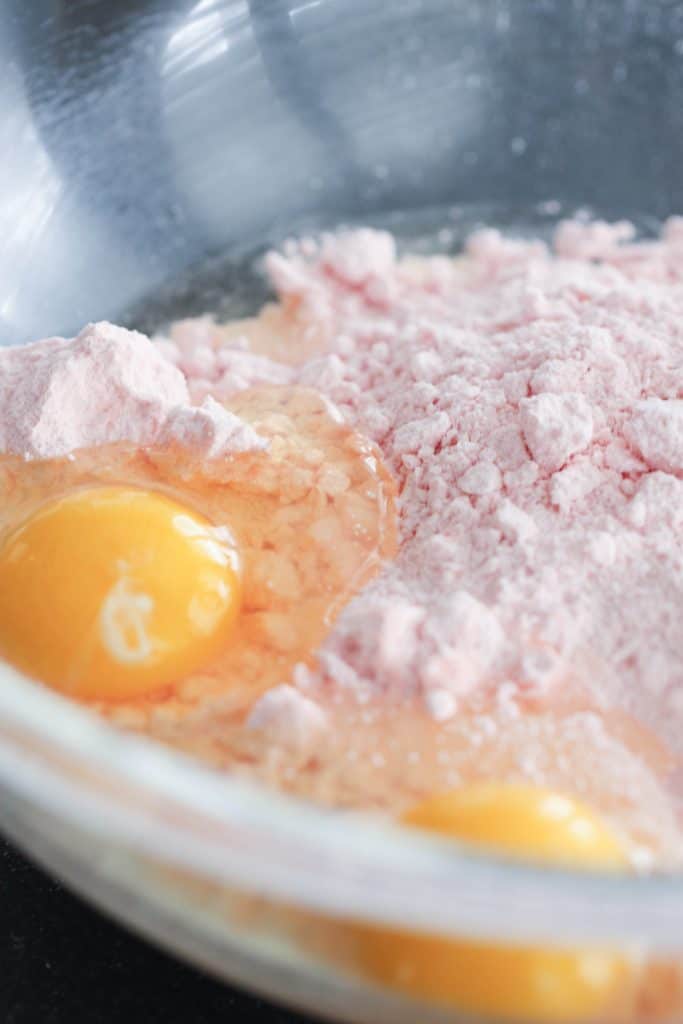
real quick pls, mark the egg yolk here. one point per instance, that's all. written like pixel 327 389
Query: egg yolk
pixel 506 982
pixel 112 592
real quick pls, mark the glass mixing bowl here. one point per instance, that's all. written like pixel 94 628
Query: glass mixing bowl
pixel 152 148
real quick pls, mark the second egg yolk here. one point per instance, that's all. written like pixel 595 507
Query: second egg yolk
pixel 530 984
pixel 112 592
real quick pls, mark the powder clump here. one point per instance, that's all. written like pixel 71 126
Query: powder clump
pixel 106 385
pixel 528 403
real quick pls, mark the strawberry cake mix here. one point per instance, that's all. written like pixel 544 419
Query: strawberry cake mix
pixel 455 486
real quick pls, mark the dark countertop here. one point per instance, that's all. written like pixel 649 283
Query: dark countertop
pixel 62 963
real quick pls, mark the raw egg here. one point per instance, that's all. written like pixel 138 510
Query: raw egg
pixel 113 592
pixel 522 983
pixel 170 590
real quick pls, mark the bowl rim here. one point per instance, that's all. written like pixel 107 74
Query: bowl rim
pixel 61 758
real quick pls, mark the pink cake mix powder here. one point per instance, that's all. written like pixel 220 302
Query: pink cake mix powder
pixel 530 404
pixel 106 385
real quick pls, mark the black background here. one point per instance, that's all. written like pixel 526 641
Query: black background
pixel 63 963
